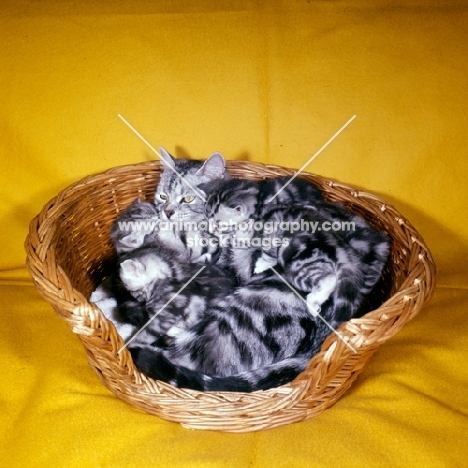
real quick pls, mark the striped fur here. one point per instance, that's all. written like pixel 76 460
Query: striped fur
pixel 237 326
pixel 336 269
pixel 179 201
pixel 213 336
pixel 126 240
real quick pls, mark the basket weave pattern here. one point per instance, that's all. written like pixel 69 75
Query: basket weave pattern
pixel 69 253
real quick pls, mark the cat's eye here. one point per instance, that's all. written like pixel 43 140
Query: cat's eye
pixel 163 196
pixel 188 199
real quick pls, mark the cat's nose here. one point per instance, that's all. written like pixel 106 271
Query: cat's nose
pixel 169 212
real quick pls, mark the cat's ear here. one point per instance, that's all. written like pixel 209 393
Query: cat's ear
pixel 133 240
pixel 213 167
pixel 132 268
pixel 166 158
pixel 240 210
pixel 247 207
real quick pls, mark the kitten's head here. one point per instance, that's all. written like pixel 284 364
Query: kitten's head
pixel 128 233
pixel 230 202
pixel 177 196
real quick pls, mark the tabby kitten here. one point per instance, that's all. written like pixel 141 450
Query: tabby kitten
pixel 154 274
pixel 137 225
pixel 336 270
pixel 212 336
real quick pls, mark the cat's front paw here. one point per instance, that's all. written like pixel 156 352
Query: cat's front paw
pixel 174 331
pixel 263 263
pixel 313 306
pixel 320 294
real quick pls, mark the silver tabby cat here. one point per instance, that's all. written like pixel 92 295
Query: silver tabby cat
pixel 178 209
pixel 336 269
pixel 213 335
pixel 216 335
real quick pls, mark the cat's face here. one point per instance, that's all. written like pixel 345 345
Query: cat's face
pixel 127 237
pixel 230 204
pixel 147 269
pixel 138 273
pixel 177 196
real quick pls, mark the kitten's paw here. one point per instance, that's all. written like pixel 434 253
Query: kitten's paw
pixel 263 263
pixel 174 331
pixel 313 306
pixel 320 294
pixel 204 258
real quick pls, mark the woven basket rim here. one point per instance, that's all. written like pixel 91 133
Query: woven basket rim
pixel 50 279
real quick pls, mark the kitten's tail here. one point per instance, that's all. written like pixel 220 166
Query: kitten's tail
pixel 156 366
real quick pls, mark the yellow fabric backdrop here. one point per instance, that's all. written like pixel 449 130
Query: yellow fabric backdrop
pixel 263 81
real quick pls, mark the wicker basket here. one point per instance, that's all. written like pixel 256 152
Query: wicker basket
pixel 69 253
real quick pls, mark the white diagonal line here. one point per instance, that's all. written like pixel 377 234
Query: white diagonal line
pixel 311 159
pixel 161 309
pixel 313 313
pixel 161 158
